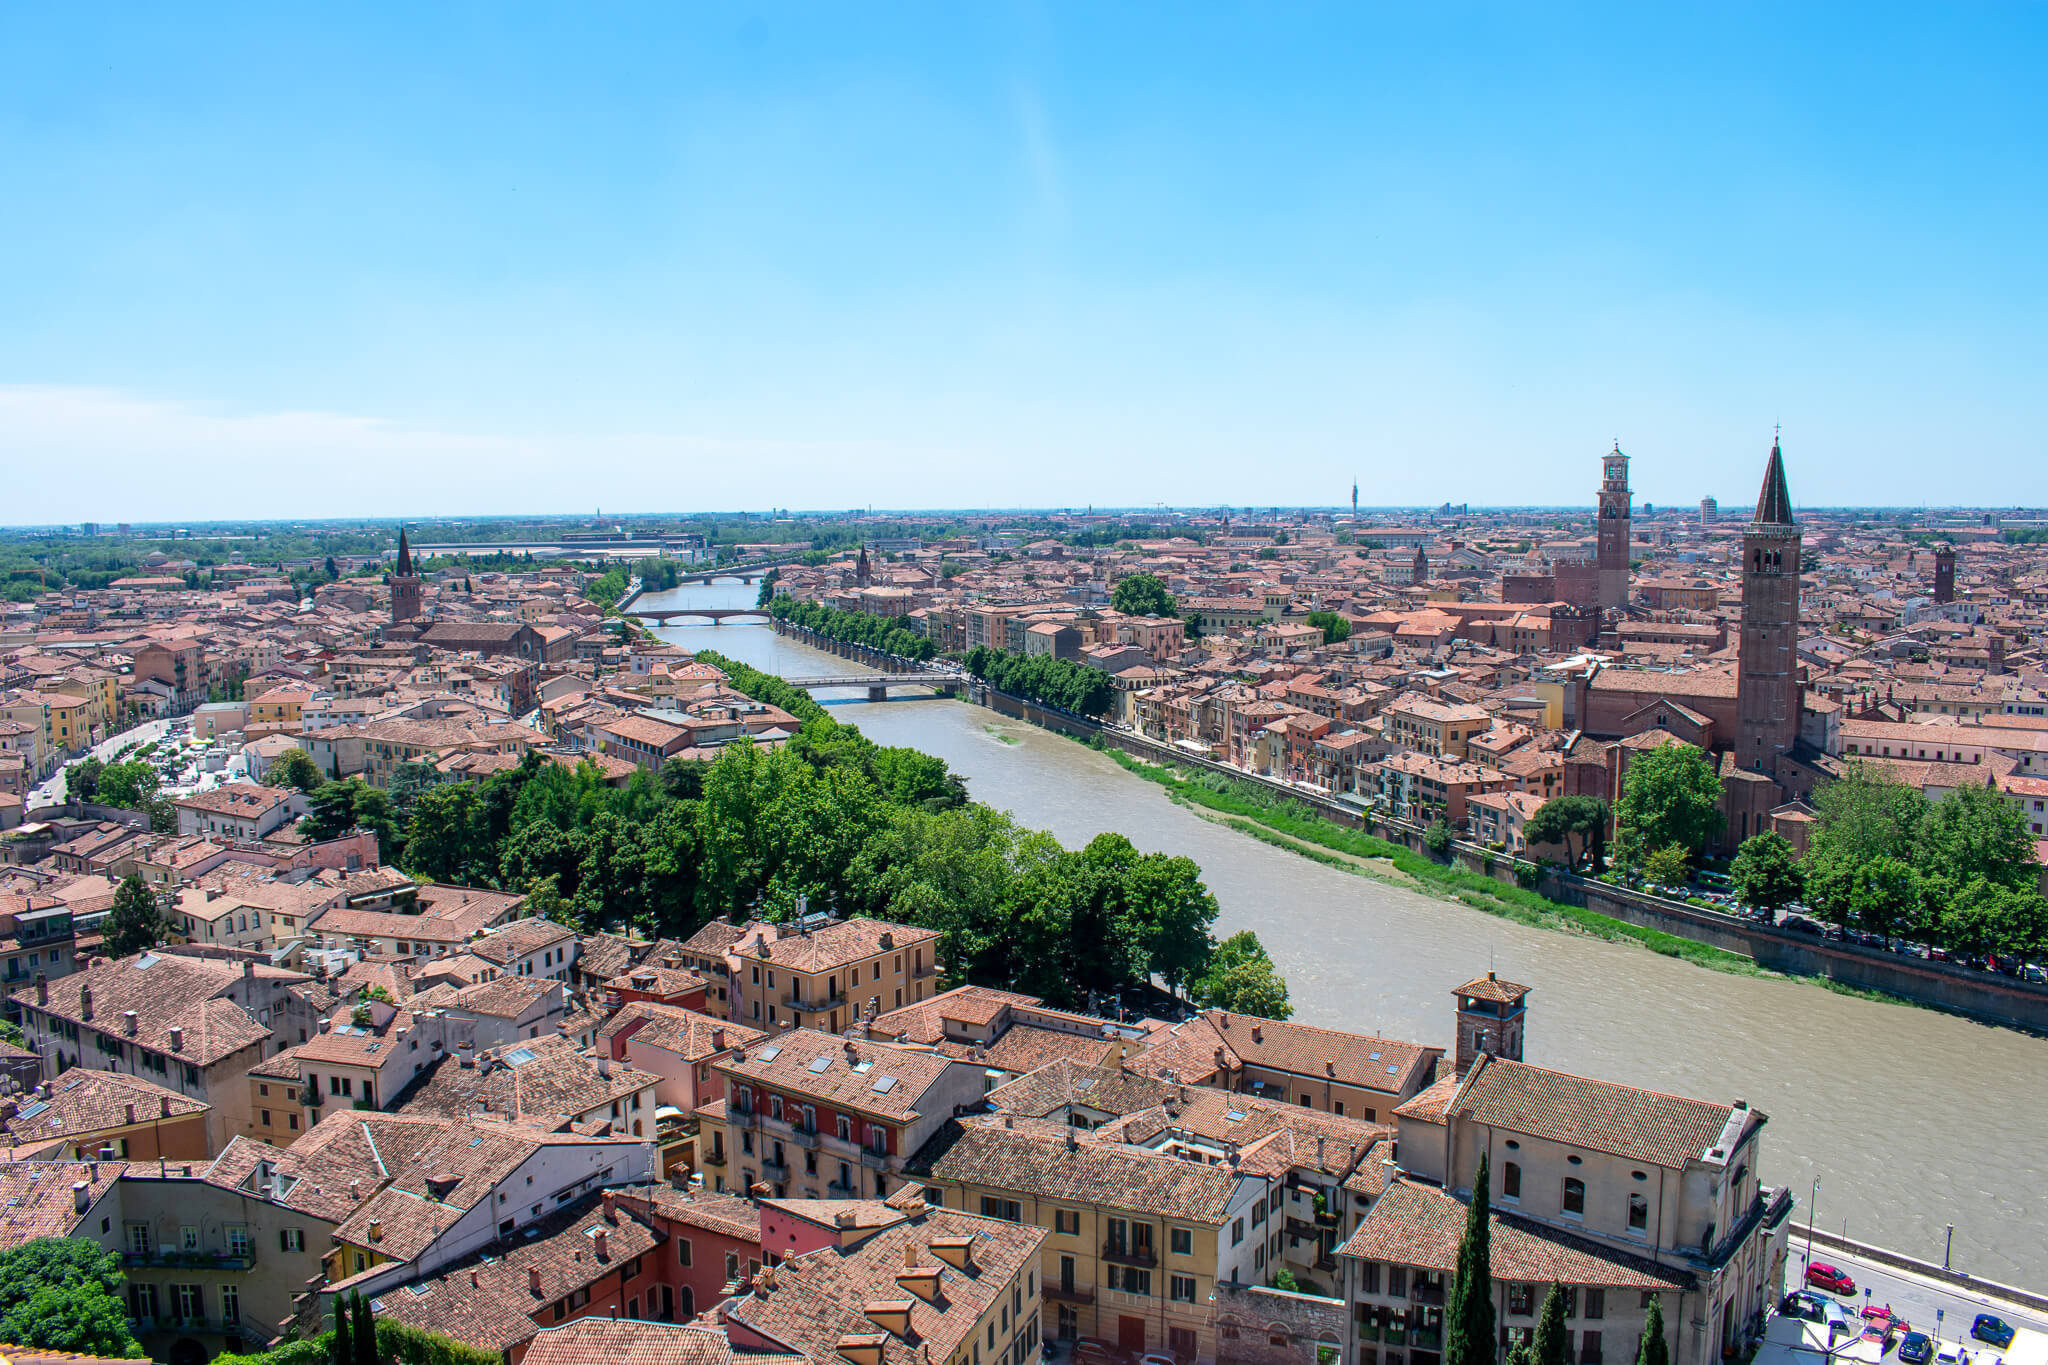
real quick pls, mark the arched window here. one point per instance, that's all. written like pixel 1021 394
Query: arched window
pixel 1638 1213
pixel 1574 1196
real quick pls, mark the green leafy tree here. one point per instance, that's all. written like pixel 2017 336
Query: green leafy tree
pixel 1241 977
pixel 1141 594
pixel 10 1032
pixel 1884 896
pixel 294 768
pixel 1671 795
pixel 1438 838
pixel 1468 1319
pixel 1578 824
pixel 1974 832
pixel 1668 866
pixel 131 786
pixel 1765 874
pixel 1864 814
pixel 332 811
pixel 1553 1339
pixel 134 923
pixel 1335 626
pixel 1652 1348
pixel 82 779
pixel 64 1294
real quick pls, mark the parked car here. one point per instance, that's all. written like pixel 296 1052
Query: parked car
pixel 1915 1348
pixel 1951 1353
pixel 1997 1331
pixel 1830 1278
pixel 1799 924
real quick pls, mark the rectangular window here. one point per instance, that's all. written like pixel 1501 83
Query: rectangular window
pixel 238 1241
pixel 138 1239
pixel 231 1305
pixel 1008 1210
pixel 1521 1300
pixel 188 1238
pixel 1369 1278
pixel 1596 1303
pixel 1066 1222
pixel 189 1302
pixel 1575 1197
pixel 1236 1231
pixel 683 1249
pixel 1589 1348
pixel 1183 1288
pixel 291 1239
pixel 1183 1241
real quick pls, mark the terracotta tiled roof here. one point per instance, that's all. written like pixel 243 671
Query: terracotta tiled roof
pixel 850 1078
pixel 1044 1167
pixel 1061 1084
pixel 36 1198
pixel 618 1341
pixel 165 991
pixel 1355 1059
pixel 833 945
pixel 730 1214
pixel 1642 1125
pixel 811 1303
pixel 554 1079
pixel 83 1101
pixel 1490 987
pixel 1419 1225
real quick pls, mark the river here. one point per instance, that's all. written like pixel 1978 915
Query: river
pixel 1910 1119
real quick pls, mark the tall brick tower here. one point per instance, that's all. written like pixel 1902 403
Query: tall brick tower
pixel 1767 688
pixel 1945 574
pixel 1612 559
pixel 1420 572
pixel 405 584
pixel 1492 1017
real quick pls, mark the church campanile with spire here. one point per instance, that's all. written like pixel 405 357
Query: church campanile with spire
pixel 1612 548
pixel 1768 694
pixel 405 584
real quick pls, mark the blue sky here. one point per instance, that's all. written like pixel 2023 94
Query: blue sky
pixel 425 259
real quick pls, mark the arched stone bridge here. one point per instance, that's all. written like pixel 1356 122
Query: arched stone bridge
pixel 713 614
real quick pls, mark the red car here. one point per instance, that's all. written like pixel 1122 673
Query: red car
pixel 1827 1277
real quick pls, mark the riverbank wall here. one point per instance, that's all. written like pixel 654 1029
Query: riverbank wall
pixel 1942 985
pixel 1897 1260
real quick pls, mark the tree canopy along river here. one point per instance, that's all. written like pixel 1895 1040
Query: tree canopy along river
pixel 1910 1119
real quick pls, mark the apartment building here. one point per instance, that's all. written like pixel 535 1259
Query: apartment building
pixel 1137 1241
pixel 815 1116
pixel 1437 728
pixel 1349 1075
pixel 239 810
pixel 824 976
pixel 193 1025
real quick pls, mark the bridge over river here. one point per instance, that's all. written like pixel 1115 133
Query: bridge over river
pixel 698 613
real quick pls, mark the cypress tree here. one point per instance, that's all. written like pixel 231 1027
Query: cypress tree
pixel 1468 1321
pixel 1654 1350
pixel 365 1333
pixel 340 1351
pixel 1553 1339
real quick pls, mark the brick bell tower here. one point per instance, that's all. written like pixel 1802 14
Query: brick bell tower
pixel 1612 557
pixel 1945 573
pixel 1492 1017
pixel 1768 693
pixel 405 584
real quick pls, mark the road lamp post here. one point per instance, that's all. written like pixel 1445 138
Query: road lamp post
pixel 1812 1203
pixel 1948 1244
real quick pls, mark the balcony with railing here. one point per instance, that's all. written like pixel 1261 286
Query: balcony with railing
pixel 835 1190
pixel 1432 1294
pixel 1427 1338
pixel 714 1157
pixel 168 1258
pixel 1068 1293
pixel 1129 1253
pixel 815 1004
pixel 771 1169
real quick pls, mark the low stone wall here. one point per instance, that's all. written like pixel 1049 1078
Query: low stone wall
pixel 1261 1326
pixel 1897 1260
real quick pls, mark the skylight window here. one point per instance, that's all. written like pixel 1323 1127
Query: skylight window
pixel 883 1085
pixel 770 1053
pixel 1234 1116
pixel 519 1056
pixel 819 1066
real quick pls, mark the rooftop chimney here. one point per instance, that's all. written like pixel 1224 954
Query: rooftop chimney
pixel 472 1278
pixel 533 1280
pixel 42 988
pixel 85 1002
pixel 376 1230
pixel 128 1022
pixel 327 1026
pixel 1258 1034
pixel 165 1102
pixel 603 1241
pixel 718 1040
pixel 177 1038
pixel 611 1206
pixel 81 1196
pixel 129 1111
pixel 1329 1066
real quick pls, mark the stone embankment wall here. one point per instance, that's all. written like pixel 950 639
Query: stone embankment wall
pixel 1897 1260
pixel 1251 1319
pixel 1982 995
